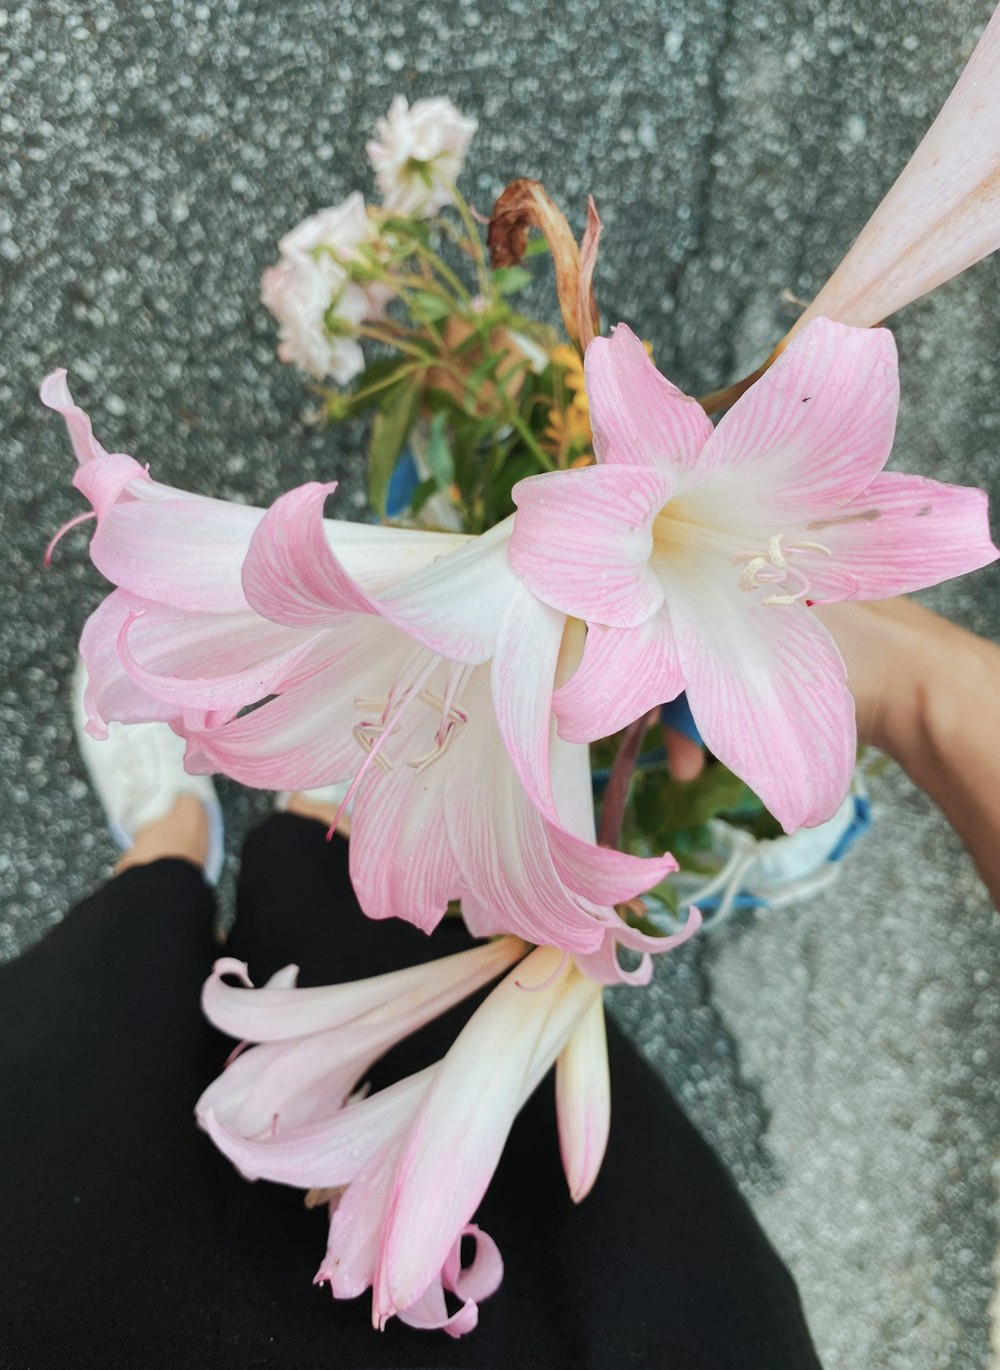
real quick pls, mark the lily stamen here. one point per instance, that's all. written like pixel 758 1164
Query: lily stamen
pixel 775 568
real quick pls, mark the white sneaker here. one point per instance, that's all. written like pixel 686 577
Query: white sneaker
pixel 766 873
pixel 138 773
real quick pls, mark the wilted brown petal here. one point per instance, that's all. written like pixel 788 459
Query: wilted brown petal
pixel 524 205
pixel 590 320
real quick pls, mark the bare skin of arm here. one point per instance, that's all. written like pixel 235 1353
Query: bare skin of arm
pixel 928 693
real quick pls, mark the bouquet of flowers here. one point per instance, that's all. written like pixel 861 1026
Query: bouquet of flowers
pixel 565 544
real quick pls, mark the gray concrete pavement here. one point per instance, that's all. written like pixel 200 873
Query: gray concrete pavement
pixel 843 1056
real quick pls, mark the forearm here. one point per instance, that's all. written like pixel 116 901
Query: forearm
pixel 948 741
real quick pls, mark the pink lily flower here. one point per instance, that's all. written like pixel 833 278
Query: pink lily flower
pixel 407 1190
pixel 692 553
pixel 177 559
pixel 405 684
pixel 411 709
pixel 941 216
pixel 321 1041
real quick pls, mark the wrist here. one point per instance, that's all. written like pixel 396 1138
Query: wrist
pixel 952 702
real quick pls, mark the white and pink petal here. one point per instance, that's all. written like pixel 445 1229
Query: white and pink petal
pixel 638 416
pixel 903 533
pixel 624 673
pixel 582 541
pixel 583 1100
pixel 767 690
pixel 815 430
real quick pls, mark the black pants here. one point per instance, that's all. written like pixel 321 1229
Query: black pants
pixel 127 1241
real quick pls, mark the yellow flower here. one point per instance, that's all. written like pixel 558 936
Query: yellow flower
pixel 570 363
pixel 568 428
pixel 568 425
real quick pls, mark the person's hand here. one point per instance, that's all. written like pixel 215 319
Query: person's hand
pixel 894 650
pixel 928 693
pixel 909 671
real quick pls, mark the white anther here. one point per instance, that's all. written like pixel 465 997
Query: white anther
pixel 366 736
pixel 748 578
pixel 818 547
pixel 775 568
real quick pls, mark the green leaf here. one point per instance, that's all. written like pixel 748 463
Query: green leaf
pixel 440 401
pixel 537 247
pixel 508 470
pixel 395 226
pixel 390 428
pixel 484 372
pixel 662 804
pixel 510 279
pixel 668 895
pixel 438 453
pixel 427 307
pixel 422 494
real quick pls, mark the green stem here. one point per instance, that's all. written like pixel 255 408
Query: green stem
pixel 540 455
pixel 509 415
pixel 390 380
pixel 432 259
pixel 475 241
pixel 396 340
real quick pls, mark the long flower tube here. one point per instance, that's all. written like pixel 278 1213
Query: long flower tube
pixel 410 1164
pixel 422 690
pixel 693 554
pixel 942 214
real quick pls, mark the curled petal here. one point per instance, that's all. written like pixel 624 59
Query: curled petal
pixel 483 1275
pixel 325 1153
pixel 472 1283
pixel 430 1313
pixel 54 393
pixel 303 738
pixel 420 992
pixel 294 575
pixel 606 969
pixel 608 877
pixel 213 662
pixel 111 694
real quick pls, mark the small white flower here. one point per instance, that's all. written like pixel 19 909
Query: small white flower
pixel 311 280
pixel 419 154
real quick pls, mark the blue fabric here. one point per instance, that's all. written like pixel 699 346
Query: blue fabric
pixel 677 714
pixel 862 822
pixel 402 484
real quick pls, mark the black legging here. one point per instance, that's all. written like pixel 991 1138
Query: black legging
pixel 127 1241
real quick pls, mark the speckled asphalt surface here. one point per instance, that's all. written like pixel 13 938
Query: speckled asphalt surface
pixel 842 1056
